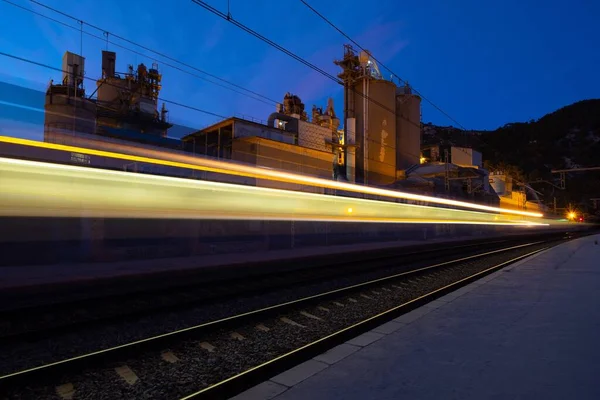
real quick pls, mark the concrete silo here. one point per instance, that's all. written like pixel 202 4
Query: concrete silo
pixel 408 127
pixel 373 102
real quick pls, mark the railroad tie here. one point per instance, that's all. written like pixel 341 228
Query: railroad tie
pixel 290 322
pixel 308 315
pixel 127 374
pixel 66 391
pixel 262 327
pixel 208 347
pixel 169 357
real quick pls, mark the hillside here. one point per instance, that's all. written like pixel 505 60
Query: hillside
pixel 566 138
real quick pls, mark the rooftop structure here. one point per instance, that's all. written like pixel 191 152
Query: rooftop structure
pixel 125 107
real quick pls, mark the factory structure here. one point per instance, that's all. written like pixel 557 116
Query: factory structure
pixel 125 107
pixel 375 140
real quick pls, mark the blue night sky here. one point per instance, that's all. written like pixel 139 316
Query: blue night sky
pixel 484 65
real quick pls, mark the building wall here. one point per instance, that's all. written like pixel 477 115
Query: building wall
pixel 513 200
pixel 408 130
pixel 245 130
pixel 314 136
pixel 68 113
pixel 500 184
pixel 466 157
pixel 381 132
pixel 109 89
pixel 286 157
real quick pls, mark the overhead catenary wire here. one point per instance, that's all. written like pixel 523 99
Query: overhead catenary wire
pixel 210 8
pixel 242 90
pixel 228 17
pixel 324 18
pixel 335 79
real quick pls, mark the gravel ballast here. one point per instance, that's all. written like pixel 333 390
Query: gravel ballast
pixel 186 366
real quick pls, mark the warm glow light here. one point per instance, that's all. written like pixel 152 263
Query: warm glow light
pixel 223 167
pixel 37 189
pixel 571 215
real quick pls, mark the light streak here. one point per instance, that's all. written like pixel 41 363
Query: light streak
pixel 223 167
pixel 32 188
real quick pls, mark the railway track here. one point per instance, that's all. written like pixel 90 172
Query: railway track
pixel 220 357
pixel 51 317
pixel 54 315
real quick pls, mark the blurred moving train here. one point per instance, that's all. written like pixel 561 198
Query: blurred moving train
pixel 52 216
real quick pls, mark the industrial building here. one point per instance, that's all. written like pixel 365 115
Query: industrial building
pixel 287 142
pixel 461 169
pixel 452 171
pixel 513 194
pixel 379 144
pixel 382 120
pixel 125 107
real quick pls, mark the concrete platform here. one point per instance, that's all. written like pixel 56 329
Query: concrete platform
pixel 529 331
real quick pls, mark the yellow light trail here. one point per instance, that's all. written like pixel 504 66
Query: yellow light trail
pixel 31 188
pixel 229 168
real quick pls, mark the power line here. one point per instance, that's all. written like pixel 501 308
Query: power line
pixel 105 39
pixel 258 96
pixel 26 60
pixel 213 10
pixel 229 18
pixel 226 17
pixel 379 62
